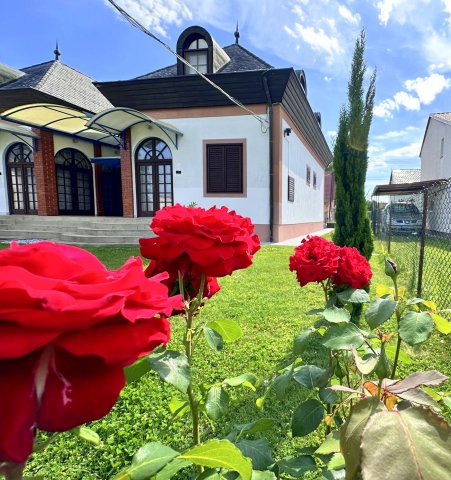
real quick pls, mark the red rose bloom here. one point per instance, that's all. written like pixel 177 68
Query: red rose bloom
pixel 314 260
pixel 68 326
pixel 353 269
pixel 195 241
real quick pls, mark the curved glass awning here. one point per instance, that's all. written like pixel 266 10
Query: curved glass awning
pixel 59 119
pixel 24 134
pixel 116 120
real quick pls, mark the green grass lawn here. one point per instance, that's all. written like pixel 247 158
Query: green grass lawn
pixel 269 305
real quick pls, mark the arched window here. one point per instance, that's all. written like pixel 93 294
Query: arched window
pixel 74 183
pixel 23 197
pixel 196 53
pixel 196 46
pixel 153 162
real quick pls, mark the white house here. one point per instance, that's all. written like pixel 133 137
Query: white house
pixel 435 157
pixel 129 148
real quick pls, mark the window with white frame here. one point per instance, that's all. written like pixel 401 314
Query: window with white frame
pixel 197 55
pixel 308 175
pixel 442 147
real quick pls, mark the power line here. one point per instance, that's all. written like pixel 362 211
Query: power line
pixel 143 29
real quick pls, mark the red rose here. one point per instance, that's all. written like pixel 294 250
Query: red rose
pixel 68 326
pixel 353 269
pixel 195 241
pixel 314 260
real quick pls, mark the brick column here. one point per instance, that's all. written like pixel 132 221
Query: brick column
pixel 98 185
pixel 45 173
pixel 127 176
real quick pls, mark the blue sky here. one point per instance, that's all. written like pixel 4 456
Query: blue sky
pixel 409 41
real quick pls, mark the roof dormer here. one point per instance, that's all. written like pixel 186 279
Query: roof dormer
pixel 198 48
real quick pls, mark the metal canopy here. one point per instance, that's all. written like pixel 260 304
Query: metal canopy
pixel 22 133
pixel 60 119
pixel 113 162
pixel 115 121
pixel 404 188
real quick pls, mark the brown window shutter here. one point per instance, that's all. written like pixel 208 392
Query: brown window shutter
pixel 225 168
pixel 216 173
pixel 234 168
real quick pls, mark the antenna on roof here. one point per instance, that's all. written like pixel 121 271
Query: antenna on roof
pixel 237 34
pixel 57 52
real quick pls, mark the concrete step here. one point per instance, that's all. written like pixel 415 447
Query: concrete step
pixel 105 240
pixel 75 230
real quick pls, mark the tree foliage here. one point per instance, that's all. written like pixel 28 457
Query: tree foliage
pixel 352 226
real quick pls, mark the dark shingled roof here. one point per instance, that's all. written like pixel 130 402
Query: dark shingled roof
pixel 186 91
pixel 55 79
pixel 241 60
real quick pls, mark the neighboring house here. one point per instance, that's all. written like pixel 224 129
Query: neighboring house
pixel 435 151
pixel 435 157
pixel 171 138
pixel 404 175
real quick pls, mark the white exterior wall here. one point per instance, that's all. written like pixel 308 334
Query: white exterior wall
pixel 308 205
pixel 62 141
pixel 188 158
pixel 432 165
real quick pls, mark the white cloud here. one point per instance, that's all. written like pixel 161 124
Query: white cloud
pixel 327 79
pixel 332 134
pixel 407 101
pixel 396 134
pixel 348 15
pixel 385 8
pixel 401 156
pixel 297 31
pixel 427 88
pixel 317 39
pixel 157 14
pixel 408 151
pixel 426 27
pixel 385 108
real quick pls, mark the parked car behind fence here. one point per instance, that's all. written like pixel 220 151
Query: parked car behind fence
pixel 402 217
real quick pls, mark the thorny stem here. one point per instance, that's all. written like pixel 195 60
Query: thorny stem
pixel 371 348
pixel 348 378
pixel 398 318
pixel 189 342
pixel 325 292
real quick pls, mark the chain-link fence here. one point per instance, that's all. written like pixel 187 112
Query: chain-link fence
pixel 415 229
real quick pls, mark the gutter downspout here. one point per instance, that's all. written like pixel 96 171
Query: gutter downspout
pixel 271 168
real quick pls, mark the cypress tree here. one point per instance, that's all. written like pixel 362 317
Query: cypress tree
pixel 352 225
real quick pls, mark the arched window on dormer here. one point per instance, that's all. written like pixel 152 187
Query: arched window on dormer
pixel 195 45
pixel 197 55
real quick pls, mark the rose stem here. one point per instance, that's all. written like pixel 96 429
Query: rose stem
pixel 398 318
pixel 189 350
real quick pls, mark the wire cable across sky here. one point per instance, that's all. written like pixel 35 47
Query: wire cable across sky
pixel 264 123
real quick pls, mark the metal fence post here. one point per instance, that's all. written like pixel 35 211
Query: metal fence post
pixel 422 243
pixel 389 228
